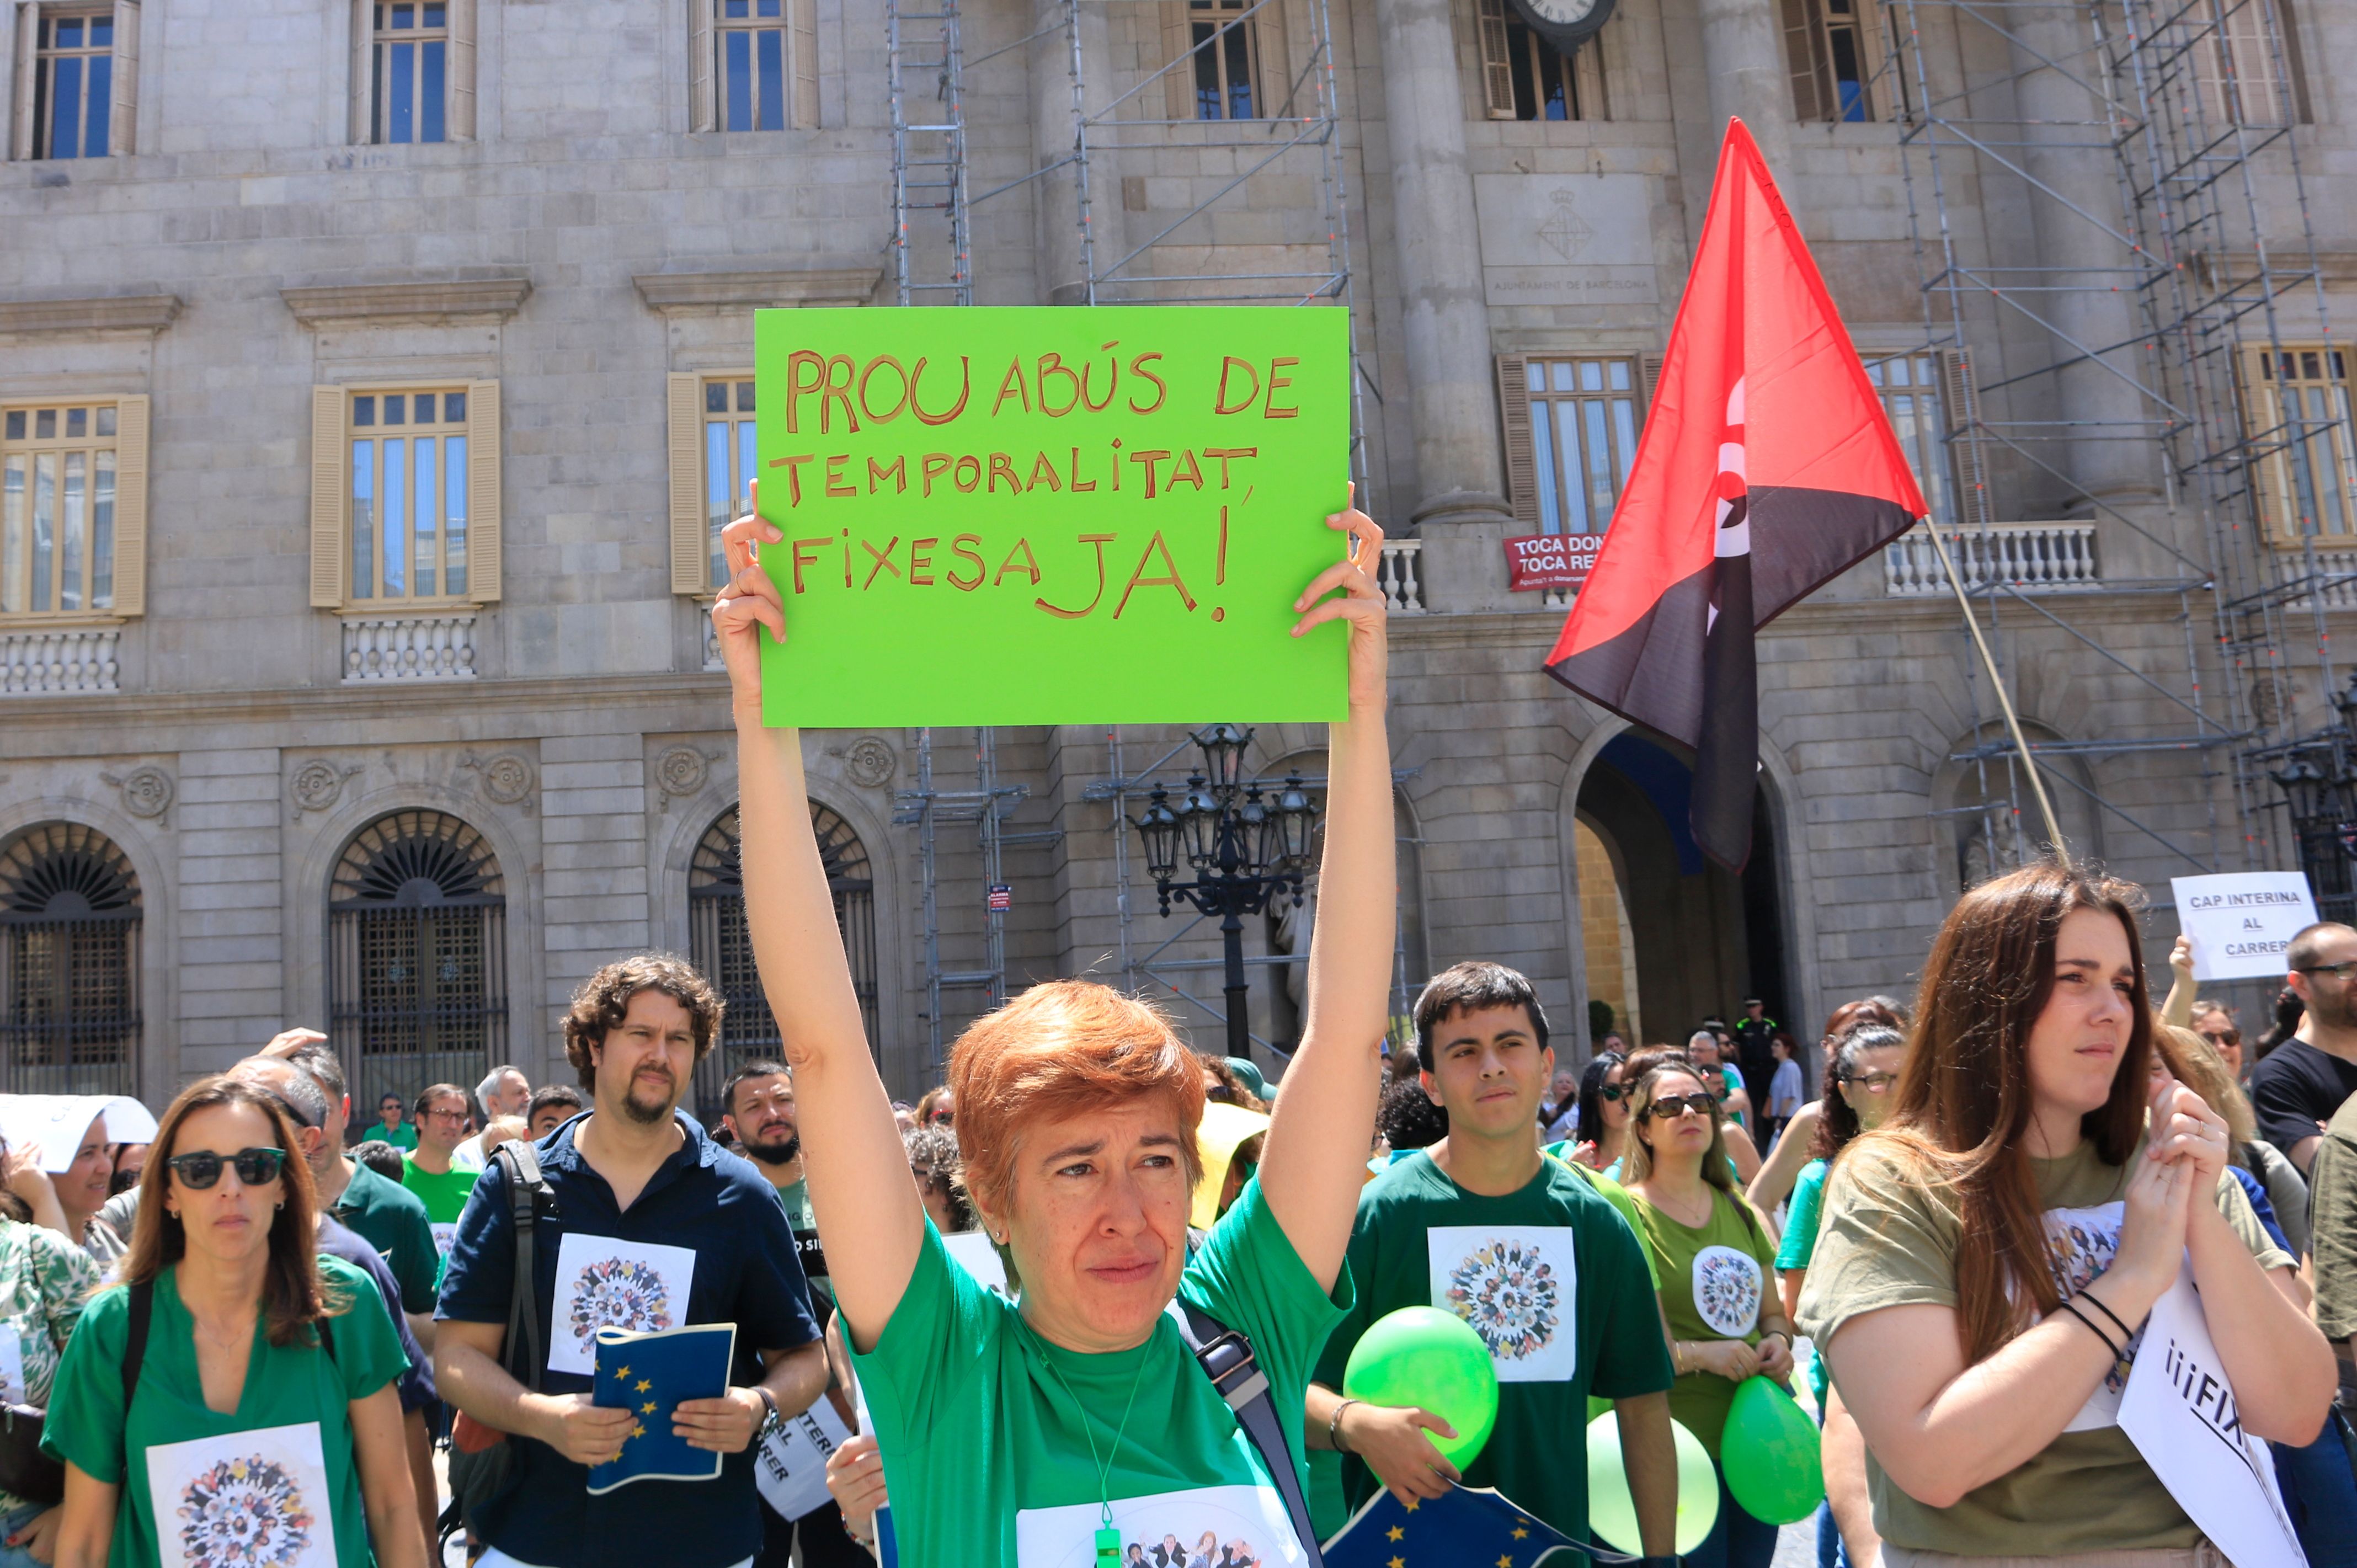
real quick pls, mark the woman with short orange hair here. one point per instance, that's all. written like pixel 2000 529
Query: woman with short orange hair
pixel 1076 1421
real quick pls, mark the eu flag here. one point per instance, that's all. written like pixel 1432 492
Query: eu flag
pixel 1467 1528
pixel 650 1374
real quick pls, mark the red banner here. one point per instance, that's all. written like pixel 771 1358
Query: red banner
pixel 1551 561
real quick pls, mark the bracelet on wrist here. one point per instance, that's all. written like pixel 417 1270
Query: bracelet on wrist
pixel 1334 1426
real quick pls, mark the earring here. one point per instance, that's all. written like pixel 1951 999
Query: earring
pixel 279 1205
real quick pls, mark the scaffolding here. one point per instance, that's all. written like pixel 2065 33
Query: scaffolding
pixel 933 263
pixel 2151 143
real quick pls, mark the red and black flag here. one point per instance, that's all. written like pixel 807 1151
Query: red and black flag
pixel 1767 467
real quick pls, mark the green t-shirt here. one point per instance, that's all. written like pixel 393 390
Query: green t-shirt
pixel 1889 1240
pixel 1801 1218
pixel 392 1218
pixel 445 1197
pixel 986 1428
pixel 1713 1283
pixel 404 1138
pixel 794 1198
pixel 1613 1193
pixel 285 1454
pixel 43 1279
pixel 1550 1277
pixel 2332 1206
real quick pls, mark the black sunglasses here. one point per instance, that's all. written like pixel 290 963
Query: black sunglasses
pixel 1614 1091
pixel 254 1167
pixel 1669 1107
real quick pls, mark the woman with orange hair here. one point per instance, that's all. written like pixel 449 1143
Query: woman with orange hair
pixel 1076 1421
pixel 1987 1255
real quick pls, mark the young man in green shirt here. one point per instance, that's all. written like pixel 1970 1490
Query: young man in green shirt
pixel 1528 1252
pixel 426 1170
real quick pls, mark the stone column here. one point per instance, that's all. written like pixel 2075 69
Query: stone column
pixel 1445 321
pixel 1744 59
pixel 1056 203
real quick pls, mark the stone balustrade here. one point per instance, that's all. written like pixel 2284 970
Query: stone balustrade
pixel 35 663
pixel 1400 576
pixel 2031 557
pixel 409 648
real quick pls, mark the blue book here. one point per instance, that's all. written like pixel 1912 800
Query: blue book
pixel 650 1374
pixel 1466 1527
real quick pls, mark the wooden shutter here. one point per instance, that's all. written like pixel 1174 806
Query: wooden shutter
pixel 690 569
pixel 2272 492
pixel 1804 46
pixel 459 119
pixel 702 113
pixel 1275 100
pixel 1178 81
pixel 20 119
pixel 1521 457
pixel 801 47
pixel 1960 408
pixel 1649 376
pixel 123 111
pixel 1497 60
pixel 131 506
pixel 483 491
pixel 362 127
pixel 331 493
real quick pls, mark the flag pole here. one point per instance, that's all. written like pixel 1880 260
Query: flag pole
pixel 2012 719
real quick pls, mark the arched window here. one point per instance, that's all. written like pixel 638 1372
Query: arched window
pixel 720 947
pixel 416 956
pixel 68 963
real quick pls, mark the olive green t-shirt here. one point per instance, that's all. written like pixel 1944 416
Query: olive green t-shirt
pixel 282 1461
pixel 1888 1238
pixel 2332 1208
pixel 986 1429
pixel 1552 1279
pixel 1713 1279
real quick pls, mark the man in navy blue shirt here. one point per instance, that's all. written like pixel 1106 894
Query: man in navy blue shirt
pixel 633 1182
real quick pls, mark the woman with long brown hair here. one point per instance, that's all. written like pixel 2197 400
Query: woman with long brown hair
pixel 1987 1255
pixel 261 1410
pixel 1711 1254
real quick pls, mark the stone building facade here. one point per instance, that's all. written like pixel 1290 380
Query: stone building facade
pixel 372 358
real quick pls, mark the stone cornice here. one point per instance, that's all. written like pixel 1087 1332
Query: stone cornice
pixel 828 279
pixel 118 313
pixel 440 304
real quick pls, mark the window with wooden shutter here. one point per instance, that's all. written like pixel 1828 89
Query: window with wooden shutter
pixel 2296 403
pixel 20 99
pixel 463 54
pixel 483 491
pixel 1514 420
pixel 1913 392
pixel 1178 81
pixel 1225 74
pixel 73 479
pixel 803 51
pixel 703 103
pixel 1962 414
pixel 360 79
pixel 123 118
pixel 413 71
pixel 1583 414
pixel 754 65
pixel 714 462
pixel 327 467
pixel 1831 50
pixel 685 401
pixel 76 89
pixel 1497 66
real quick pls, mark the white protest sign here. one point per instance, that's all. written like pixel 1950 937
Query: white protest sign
pixel 790 1465
pixel 2242 922
pixel 2181 1413
pixel 59 1122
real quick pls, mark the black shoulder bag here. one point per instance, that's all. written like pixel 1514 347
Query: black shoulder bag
pixel 481 1457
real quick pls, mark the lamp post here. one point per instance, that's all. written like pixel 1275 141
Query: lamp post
pixel 2319 786
pixel 1245 847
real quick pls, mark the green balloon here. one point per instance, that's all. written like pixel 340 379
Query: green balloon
pixel 1612 1513
pixel 1431 1360
pixel 1770 1455
pixel 1597 1406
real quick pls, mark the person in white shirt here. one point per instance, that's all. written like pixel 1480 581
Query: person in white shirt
pixel 1785 1090
pixel 504 1092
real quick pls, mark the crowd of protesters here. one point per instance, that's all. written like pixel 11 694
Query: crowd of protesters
pixel 276 1334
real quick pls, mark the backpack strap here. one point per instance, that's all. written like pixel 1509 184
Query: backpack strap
pixel 135 1353
pixel 527 1187
pixel 1227 1358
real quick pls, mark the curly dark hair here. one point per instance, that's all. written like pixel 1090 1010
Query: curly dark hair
pixel 933 1161
pixel 1407 1118
pixel 605 998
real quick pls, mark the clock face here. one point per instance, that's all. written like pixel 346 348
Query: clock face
pixel 1562 12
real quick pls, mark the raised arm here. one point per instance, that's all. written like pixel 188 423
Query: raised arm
pixel 868 1212
pixel 1317 1149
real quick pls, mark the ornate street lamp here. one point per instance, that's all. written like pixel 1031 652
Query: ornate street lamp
pixel 1246 851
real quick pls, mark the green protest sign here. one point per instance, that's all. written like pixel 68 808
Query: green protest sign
pixel 1051 515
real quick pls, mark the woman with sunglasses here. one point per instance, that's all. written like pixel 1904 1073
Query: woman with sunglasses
pixel 263 1404
pixel 1987 1253
pixel 1600 1137
pixel 1712 1254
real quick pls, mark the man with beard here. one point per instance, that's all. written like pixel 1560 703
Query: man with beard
pixel 760 1098
pixel 635 1189
pixel 2298 1087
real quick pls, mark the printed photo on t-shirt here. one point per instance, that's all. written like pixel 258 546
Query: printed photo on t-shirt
pixel 2080 1245
pixel 1207 1527
pixel 248 1499
pixel 445 1238
pixel 1518 1287
pixel 603 1282
pixel 1726 1285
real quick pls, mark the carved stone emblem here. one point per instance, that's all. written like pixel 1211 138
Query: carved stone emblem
pixel 507 778
pixel 682 770
pixel 318 784
pixel 869 763
pixel 147 791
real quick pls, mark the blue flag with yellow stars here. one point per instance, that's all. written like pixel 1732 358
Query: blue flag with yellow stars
pixel 1465 1528
pixel 648 1375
